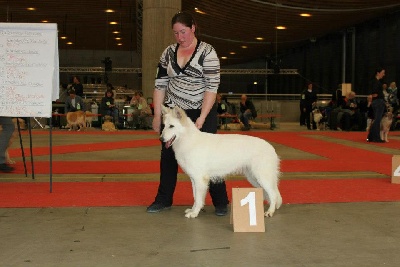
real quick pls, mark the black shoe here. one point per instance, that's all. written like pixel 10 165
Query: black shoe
pixel 6 168
pixel 221 210
pixel 376 141
pixel 157 207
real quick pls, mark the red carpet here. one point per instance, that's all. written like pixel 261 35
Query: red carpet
pixel 333 158
pixel 381 165
pixel 115 194
pixel 41 151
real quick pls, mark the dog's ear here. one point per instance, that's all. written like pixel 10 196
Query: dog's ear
pixel 179 113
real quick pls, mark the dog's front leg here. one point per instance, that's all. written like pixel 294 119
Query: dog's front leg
pixel 200 187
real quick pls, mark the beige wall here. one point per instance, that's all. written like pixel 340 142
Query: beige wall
pixel 157 35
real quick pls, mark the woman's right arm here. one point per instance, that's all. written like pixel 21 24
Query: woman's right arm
pixel 161 85
pixel 158 100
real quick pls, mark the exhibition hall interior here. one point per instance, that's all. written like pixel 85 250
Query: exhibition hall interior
pixel 87 164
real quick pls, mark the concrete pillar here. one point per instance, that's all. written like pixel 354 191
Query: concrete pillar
pixel 156 36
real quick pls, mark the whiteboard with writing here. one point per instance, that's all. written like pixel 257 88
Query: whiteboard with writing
pixel 29 69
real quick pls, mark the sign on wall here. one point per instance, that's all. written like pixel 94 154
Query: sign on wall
pixel 29 69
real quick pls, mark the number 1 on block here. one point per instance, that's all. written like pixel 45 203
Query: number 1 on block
pixel 251 200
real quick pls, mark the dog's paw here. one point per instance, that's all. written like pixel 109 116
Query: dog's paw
pixel 191 213
pixel 269 213
pixel 188 210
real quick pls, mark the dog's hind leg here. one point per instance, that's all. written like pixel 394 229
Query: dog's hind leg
pixel 200 186
pixel 269 185
pixel 267 177
pixel 273 196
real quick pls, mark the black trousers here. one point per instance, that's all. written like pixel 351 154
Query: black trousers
pixel 309 119
pixel 169 167
pixel 378 107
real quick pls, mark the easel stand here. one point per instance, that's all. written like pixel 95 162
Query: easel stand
pixel 30 147
pixel 31 151
pixel 22 147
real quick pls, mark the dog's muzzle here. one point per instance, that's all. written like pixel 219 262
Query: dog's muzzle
pixel 168 143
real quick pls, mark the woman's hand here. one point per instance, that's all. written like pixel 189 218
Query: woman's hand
pixel 199 122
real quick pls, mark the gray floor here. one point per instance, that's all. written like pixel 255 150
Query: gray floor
pixel 342 234
pixel 349 234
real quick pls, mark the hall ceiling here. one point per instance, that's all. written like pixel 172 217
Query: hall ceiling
pixel 227 24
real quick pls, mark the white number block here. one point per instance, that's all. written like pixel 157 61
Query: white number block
pixel 396 169
pixel 247 210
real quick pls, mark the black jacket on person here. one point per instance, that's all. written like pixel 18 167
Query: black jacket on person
pixel 222 107
pixel 105 105
pixel 309 99
pixel 248 105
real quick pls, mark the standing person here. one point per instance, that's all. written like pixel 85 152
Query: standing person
pixel 378 106
pixel 5 135
pixel 77 86
pixel 310 100
pixel 222 109
pixel 302 108
pixel 247 111
pixel 188 76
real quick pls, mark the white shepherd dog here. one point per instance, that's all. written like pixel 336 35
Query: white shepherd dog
pixel 206 156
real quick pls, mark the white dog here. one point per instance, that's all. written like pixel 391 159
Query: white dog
pixel 318 119
pixel 89 119
pixel 206 156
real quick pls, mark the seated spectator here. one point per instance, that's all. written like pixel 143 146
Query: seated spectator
pixel 141 111
pixel 247 111
pixel 64 93
pixel 74 102
pixel 107 106
pixel 127 99
pixel 222 108
pixel 393 97
pixel 385 92
pixel 310 102
pixel 350 117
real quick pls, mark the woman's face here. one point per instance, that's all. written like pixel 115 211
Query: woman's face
pixel 183 35
pixel 109 94
pixel 380 74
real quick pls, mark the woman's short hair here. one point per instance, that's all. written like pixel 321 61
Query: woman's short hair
pixel 183 18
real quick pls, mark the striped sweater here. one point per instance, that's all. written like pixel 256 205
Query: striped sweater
pixel 185 86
